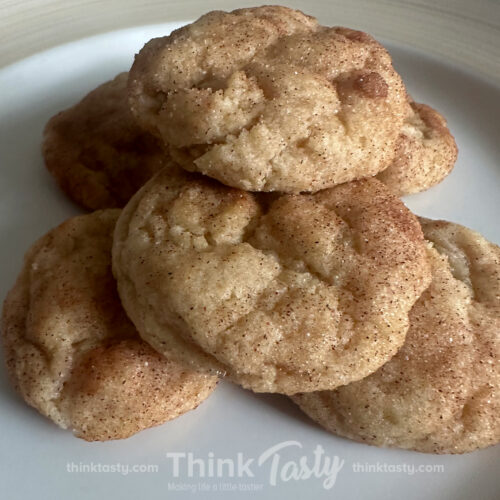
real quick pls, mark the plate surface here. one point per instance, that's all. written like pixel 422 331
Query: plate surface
pixel 37 460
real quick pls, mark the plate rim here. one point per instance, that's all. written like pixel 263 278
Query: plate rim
pixel 463 32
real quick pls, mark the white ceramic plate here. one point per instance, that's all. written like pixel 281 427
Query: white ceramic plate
pixel 38 460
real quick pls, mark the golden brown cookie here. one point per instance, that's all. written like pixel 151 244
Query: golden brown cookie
pixel 441 392
pixel 266 99
pixel 97 153
pixel 425 154
pixel 72 352
pixel 286 293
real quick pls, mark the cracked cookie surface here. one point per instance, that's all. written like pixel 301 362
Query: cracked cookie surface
pixel 266 99
pixel 441 392
pixel 97 153
pixel 425 153
pixel 72 352
pixel 285 293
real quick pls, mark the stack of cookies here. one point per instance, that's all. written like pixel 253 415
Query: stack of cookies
pixel 258 158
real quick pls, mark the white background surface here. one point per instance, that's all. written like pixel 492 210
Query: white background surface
pixel 34 453
pixel 464 31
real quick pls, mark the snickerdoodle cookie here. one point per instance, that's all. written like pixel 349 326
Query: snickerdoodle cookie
pixel 266 99
pixel 286 293
pixel 72 352
pixel 425 154
pixel 441 392
pixel 97 153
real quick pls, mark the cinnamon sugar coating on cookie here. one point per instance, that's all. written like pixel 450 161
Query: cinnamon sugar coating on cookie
pixel 285 293
pixel 425 154
pixel 72 352
pixel 97 153
pixel 441 392
pixel 266 99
